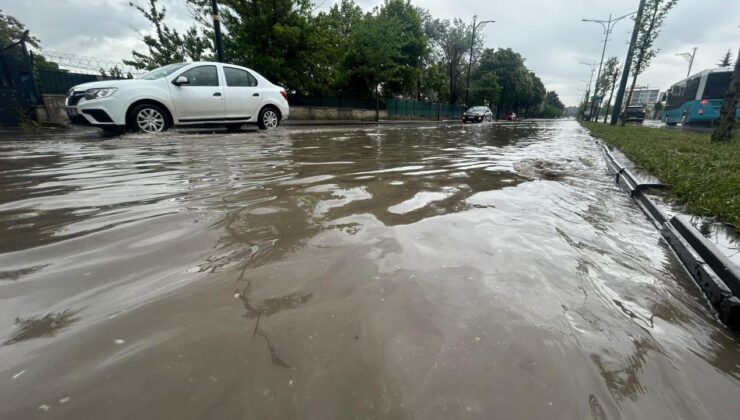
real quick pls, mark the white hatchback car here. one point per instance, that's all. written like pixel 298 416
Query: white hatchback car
pixel 186 94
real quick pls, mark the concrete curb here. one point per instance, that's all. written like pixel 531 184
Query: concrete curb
pixel 712 271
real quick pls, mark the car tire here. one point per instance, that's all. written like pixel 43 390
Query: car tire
pixel 684 120
pixel 149 118
pixel 269 118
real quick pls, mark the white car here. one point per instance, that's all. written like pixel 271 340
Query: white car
pixel 186 94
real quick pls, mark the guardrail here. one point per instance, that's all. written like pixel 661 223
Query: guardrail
pixel 716 275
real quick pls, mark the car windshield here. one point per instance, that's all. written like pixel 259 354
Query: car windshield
pixel 477 109
pixel 163 71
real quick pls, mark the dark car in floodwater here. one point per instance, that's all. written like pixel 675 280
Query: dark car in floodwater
pixel 477 114
pixel 635 114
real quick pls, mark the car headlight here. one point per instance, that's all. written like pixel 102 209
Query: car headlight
pixel 99 93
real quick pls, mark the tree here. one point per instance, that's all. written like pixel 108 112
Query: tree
pixel 12 30
pixel 649 28
pixel 612 70
pixel 373 58
pixel 413 45
pixel 727 119
pixel 452 42
pixel 333 29
pixel 167 45
pixel 114 72
pixel 726 60
pixel 485 90
pixel 553 106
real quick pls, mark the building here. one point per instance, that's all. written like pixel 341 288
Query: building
pixel 644 97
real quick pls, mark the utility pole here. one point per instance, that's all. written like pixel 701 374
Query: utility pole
pixel 690 58
pixel 627 64
pixel 472 46
pixel 217 32
pixel 608 26
pixel 588 90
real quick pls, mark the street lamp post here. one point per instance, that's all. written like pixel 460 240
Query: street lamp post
pixel 608 26
pixel 472 47
pixel 588 90
pixel 217 32
pixel 690 58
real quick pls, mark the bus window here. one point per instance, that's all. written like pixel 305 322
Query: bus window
pixel 717 85
pixel 692 87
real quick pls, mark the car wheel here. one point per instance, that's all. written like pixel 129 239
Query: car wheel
pixel 684 120
pixel 149 118
pixel 269 118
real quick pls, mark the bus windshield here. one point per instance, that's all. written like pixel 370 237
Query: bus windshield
pixel 717 85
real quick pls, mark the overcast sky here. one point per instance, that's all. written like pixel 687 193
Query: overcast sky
pixel 548 33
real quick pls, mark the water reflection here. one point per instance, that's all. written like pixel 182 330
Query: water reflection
pixel 42 326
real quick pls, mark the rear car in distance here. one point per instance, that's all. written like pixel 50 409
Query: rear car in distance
pixel 510 116
pixel 477 114
pixel 635 114
pixel 181 94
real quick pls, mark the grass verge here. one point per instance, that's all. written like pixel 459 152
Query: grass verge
pixel 704 176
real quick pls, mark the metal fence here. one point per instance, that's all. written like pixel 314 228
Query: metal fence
pixel 18 94
pixel 321 101
pixel 410 108
pixel 59 82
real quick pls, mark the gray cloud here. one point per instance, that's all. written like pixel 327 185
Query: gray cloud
pixel 548 33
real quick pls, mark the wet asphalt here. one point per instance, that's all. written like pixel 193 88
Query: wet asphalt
pixel 400 272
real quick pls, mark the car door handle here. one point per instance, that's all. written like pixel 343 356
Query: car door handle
pixel 216 93
pixel 255 94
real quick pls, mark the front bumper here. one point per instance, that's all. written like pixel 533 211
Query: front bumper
pixel 469 118
pixel 104 112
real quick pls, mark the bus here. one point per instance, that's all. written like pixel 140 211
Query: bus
pixel 697 99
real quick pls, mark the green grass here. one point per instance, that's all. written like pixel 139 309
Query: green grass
pixel 704 176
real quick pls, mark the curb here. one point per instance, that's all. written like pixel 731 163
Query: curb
pixel 713 272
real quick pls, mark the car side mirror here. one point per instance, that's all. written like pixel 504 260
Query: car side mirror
pixel 181 80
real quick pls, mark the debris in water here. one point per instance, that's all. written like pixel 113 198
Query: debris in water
pixel 64 400
pixel 19 374
pixel 118 341
pixel 44 407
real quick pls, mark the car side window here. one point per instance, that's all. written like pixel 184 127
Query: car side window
pixel 239 78
pixel 202 76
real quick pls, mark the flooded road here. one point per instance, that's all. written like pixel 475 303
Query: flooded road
pixel 418 272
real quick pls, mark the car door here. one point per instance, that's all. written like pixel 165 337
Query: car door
pixel 201 98
pixel 242 96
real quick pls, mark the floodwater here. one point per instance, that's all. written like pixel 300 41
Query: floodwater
pixel 400 272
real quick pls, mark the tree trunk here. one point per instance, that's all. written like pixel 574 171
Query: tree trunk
pixel 611 94
pixel 727 119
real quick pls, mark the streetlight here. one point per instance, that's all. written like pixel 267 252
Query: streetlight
pixel 588 91
pixel 472 46
pixel 608 26
pixel 690 58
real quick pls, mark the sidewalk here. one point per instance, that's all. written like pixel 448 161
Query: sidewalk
pixel 290 122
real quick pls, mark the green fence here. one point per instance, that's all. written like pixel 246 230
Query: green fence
pixel 410 108
pixel 59 82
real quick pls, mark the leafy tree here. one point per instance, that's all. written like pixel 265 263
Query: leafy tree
pixel 374 57
pixel 333 29
pixel 434 84
pixel 726 60
pixel 649 28
pixel 12 30
pixel 167 45
pixel 451 40
pixel 513 76
pixel 609 77
pixel 413 45
pixel 485 89
pixel 112 72
pixel 553 107
pixel 727 119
